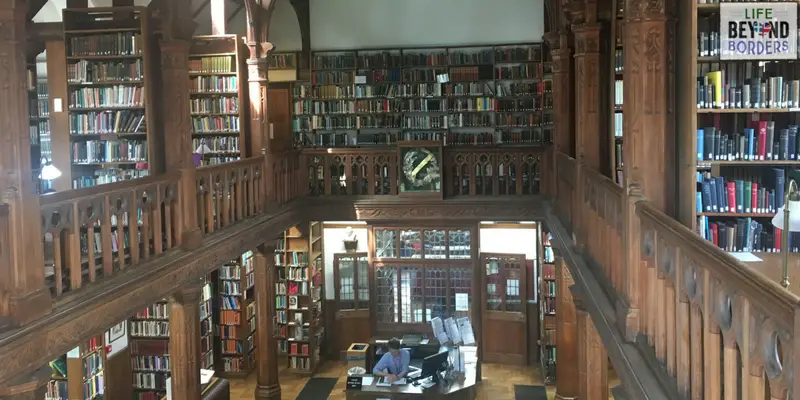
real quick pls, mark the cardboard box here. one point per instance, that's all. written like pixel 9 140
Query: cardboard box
pixel 357 355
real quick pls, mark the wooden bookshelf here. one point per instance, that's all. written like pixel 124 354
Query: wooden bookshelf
pixel 149 343
pixel 460 96
pixel 207 326
pixel 237 324
pixel 110 96
pixel 218 90
pixel 79 373
pixel 616 70
pixel 283 67
pixel 299 297
pixel 739 137
pixel 547 308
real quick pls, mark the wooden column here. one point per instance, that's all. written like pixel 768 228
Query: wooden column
pixel 32 386
pixel 218 17
pixel 23 295
pixel 267 386
pixel 562 92
pixel 592 357
pixel 184 342
pixel 177 131
pixel 591 141
pixel 649 113
pixel 566 336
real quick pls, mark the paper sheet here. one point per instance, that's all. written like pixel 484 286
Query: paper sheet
pixel 366 380
pixel 462 302
pixel 465 329
pixel 452 330
pixel 438 330
pixel 745 256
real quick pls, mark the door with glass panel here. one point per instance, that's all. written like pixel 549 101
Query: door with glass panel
pixel 351 274
pixel 505 324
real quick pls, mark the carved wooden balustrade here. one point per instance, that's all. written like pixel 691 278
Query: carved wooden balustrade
pixel 499 171
pixel 285 172
pixel 91 233
pixel 717 327
pixel 230 192
pixel 5 256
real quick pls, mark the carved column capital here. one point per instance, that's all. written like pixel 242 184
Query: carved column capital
pixel 647 10
pixel 257 69
pixel 553 40
pixel 561 59
pixel 587 38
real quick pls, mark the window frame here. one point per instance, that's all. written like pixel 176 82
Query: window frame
pixel 337 283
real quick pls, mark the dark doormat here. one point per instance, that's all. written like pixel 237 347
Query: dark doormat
pixel 526 392
pixel 619 393
pixel 317 389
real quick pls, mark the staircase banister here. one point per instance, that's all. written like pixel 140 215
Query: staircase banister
pixel 770 297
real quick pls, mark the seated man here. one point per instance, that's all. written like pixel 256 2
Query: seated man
pixel 394 364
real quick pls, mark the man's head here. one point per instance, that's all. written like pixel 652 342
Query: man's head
pixel 394 346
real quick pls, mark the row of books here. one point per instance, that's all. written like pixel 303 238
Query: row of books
pixel 150 380
pixel 214 105
pixel 527 135
pixel 216 145
pixel 94 123
pixel 109 151
pixel 216 124
pixel 216 84
pixel 110 44
pixel 150 363
pixel 116 96
pixel 85 71
pixel 108 175
pixel 743 196
pixel 745 86
pixel 212 64
pixel 745 235
pixel 155 311
pixel 412 58
pixel 424 90
pixel 477 104
pixel 759 143
pixel 149 328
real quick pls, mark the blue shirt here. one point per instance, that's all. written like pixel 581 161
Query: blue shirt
pixel 393 365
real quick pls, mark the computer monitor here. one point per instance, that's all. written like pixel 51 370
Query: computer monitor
pixel 432 365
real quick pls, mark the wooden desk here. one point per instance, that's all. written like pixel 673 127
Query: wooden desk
pixel 216 389
pixel 465 388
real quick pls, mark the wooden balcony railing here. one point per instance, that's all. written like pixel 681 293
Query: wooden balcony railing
pixel 465 171
pixel 92 233
pixel 231 192
pixel 719 328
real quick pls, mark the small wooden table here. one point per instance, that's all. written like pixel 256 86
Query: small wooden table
pixel 464 388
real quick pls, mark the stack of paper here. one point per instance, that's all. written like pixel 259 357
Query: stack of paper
pixel 465 329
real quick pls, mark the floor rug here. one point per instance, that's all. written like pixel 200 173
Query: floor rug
pixel 527 392
pixel 317 389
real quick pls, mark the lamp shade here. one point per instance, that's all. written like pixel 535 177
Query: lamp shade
pixel 794 217
pixel 203 149
pixel 49 172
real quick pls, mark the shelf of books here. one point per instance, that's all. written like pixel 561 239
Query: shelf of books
pixel 79 373
pixel 283 67
pixel 218 88
pixel 298 298
pixel 746 142
pixel 237 322
pixel 108 106
pixel 547 308
pixel 617 69
pixel 149 343
pixel 461 96
pixel 207 326
pixel 39 126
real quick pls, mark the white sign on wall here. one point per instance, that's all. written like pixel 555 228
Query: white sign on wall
pixel 758 31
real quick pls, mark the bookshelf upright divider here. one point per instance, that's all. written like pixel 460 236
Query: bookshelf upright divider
pixel 149 343
pixel 547 307
pixel 616 93
pixel 218 91
pixel 110 94
pixel 207 326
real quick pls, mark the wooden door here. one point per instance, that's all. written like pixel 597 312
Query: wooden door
pixel 505 324
pixel 280 116
pixel 351 274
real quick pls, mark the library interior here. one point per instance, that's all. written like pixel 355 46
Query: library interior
pixel 383 199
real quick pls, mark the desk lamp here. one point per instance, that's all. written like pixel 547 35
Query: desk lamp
pixel 49 171
pixel 788 219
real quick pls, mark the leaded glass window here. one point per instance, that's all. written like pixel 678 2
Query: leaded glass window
pixel 460 244
pixel 410 244
pixel 385 243
pixel 435 246
pixel 436 293
pixel 411 295
pixel 460 282
pixel 386 290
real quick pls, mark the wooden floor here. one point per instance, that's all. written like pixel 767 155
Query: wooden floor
pixel 498 382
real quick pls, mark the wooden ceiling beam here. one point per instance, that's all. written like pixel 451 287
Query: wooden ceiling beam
pixel 218 17
pixel 46 31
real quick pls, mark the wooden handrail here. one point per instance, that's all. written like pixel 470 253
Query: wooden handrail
pixel 694 303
